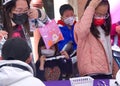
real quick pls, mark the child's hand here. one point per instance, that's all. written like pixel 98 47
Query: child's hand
pixel 94 3
pixel 42 62
pixel 65 54
pixel 118 29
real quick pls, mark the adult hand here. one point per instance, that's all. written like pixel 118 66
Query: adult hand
pixel 94 3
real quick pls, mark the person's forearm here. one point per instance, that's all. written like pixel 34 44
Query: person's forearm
pixel 41 67
pixel 36 42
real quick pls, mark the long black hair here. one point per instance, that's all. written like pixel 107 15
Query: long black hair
pixel 7 8
pixel 107 26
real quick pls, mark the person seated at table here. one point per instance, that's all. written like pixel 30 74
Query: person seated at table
pixel 51 69
pixel 14 66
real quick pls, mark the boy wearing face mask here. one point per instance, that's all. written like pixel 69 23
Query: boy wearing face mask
pixel 66 25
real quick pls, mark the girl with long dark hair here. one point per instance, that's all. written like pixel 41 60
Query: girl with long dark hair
pixel 92 35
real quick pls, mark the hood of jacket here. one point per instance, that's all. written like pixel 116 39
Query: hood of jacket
pixel 10 75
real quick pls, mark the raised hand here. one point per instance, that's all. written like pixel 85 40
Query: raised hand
pixel 42 62
pixel 94 3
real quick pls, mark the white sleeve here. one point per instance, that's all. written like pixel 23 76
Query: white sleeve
pixel 43 18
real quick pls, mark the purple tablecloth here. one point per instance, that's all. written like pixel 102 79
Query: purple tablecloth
pixel 96 82
pixel 58 83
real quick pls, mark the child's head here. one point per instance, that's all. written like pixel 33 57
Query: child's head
pixel 101 13
pixel 16 49
pixel 47 52
pixel 101 18
pixel 67 14
pixel 66 10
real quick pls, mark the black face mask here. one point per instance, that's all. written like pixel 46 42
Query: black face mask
pixel 20 18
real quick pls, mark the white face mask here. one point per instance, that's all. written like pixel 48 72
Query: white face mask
pixel 48 52
pixel 69 21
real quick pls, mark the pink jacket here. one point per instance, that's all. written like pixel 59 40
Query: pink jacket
pixel 91 55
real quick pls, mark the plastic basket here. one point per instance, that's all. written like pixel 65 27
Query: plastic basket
pixel 82 81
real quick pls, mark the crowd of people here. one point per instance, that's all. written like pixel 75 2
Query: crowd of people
pixel 87 43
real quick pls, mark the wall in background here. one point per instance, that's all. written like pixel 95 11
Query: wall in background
pixel 115 10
